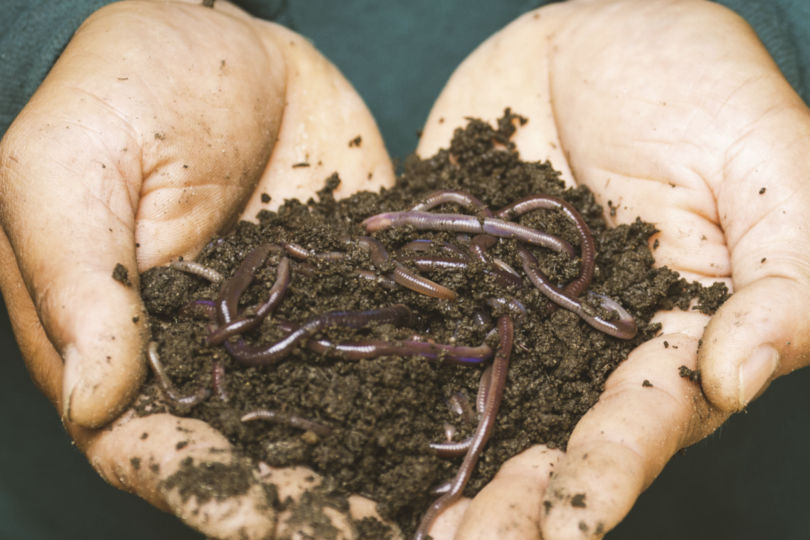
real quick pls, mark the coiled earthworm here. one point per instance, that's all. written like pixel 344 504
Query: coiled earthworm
pixel 403 276
pixel 191 267
pixel 445 196
pixel 588 247
pixel 245 324
pixel 166 386
pixel 426 221
pixel 482 432
pixel 231 290
pixel 398 315
pixel 289 419
pixel 623 328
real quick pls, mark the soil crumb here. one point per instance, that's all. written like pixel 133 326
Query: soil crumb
pixel 384 412
pixel 121 275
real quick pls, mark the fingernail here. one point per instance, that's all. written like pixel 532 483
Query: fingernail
pixel 756 371
pixel 70 378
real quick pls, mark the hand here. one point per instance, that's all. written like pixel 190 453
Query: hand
pixel 160 126
pixel 674 112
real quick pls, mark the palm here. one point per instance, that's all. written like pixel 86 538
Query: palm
pixel 667 111
pixel 162 125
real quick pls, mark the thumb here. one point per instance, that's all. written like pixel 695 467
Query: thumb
pixel 94 153
pixel 763 330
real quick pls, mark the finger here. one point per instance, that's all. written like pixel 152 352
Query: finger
pixel 646 414
pixel 509 507
pixel 762 331
pixel 326 129
pixel 95 153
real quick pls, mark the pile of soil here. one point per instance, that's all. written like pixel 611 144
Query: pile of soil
pixel 384 412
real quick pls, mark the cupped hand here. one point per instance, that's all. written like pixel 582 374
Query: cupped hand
pixel 671 110
pixel 161 124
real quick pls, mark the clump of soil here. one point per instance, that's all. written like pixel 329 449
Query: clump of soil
pixel 384 412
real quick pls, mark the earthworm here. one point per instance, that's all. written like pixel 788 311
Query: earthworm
pixel 451 449
pixel 480 318
pixel 290 419
pixel 231 290
pixel 514 306
pixel 449 431
pixel 403 276
pixel 460 405
pixel 361 350
pixel 480 244
pixel 166 386
pixel 483 390
pixel 384 281
pixel 482 432
pixel 468 224
pixel 218 380
pixel 197 269
pixel 245 324
pixel 624 327
pixel 300 252
pixel 588 247
pixel 427 263
pixel 445 196
pixel 198 309
pixel 506 267
pixel 398 314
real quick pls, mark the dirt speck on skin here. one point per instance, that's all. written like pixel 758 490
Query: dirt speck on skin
pixel 692 375
pixel 121 275
pixel 384 412
pixel 210 480
pixel 578 501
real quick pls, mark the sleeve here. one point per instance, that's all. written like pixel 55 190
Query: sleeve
pixel 33 33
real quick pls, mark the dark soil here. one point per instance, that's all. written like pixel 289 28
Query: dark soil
pixel 384 412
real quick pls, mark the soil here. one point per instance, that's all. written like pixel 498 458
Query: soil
pixel 384 412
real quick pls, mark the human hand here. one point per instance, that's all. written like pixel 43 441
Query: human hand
pixel 674 112
pixel 160 125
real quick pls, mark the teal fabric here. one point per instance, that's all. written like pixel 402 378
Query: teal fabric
pixel 398 55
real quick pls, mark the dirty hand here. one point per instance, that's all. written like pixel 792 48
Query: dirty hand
pixel 161 124
pixel 672 111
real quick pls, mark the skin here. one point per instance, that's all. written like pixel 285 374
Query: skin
pixel 671 109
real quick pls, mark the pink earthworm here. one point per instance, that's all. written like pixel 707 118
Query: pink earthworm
pixel 403 276
pixel 397 314
pixel 197 269
pixel 588 247
pixel 293 420
pixel 623 328
pixel 499 368
pixel 243 324
pixel 166 386
pixel 445 196
pixel 426 221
